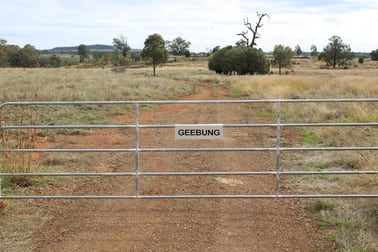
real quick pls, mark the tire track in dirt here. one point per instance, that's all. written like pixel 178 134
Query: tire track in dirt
pixel 192 224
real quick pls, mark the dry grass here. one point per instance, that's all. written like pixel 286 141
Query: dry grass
pixel 305 85
pixel 67 84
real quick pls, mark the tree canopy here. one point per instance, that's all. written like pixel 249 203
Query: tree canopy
pixel 374 55
pixel 25 57
pixel 83 52
pixel 121 44
pixel 3 53
pixel 337 53
pixel 179 46
pixel 298 50
pixel 282 56
pixel 240 60
pixel 154 50
pixel 314 51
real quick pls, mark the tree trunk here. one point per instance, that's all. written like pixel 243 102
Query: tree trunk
pixel 334 58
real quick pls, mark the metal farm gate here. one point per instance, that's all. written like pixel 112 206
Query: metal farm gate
pixel 194 132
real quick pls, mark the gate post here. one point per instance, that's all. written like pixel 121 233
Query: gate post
pixel 1 142
pixel 137 149
pixel 278 144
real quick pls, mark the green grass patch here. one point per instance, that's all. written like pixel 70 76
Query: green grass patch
pixel 325 205
pixel 15 184
pixel 309 137
pixel 330 237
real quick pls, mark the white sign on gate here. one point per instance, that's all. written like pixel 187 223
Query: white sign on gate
pixel 198 131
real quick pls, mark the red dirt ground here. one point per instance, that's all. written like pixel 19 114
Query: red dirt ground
pixel 176 224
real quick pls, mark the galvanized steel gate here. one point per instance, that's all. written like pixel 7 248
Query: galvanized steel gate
pixel 138 173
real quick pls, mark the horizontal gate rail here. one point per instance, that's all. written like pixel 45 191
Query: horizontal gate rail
pixel 213 196
pixel 104 174
pixel 187 102
pixel 351 148
pixel 278 149
pixel 260 125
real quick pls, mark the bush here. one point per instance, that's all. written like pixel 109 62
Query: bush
pixel 374 55
pixel 240 60
pixel 25 57
pixel 52 61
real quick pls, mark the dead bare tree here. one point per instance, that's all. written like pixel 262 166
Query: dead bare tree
pixel 250 28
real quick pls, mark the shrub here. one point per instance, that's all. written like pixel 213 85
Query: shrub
pixel 240 60
pixel 374 55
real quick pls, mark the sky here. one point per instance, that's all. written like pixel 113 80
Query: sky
pixel 205 23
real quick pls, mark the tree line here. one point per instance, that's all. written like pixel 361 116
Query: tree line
pixel 156 51
pixel 243 58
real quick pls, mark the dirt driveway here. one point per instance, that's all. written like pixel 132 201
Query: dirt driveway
pixel 179 224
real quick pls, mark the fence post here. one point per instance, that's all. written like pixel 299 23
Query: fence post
pixel 137 149
pixel 1 143
pixel 278 151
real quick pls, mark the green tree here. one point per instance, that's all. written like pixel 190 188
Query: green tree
pixel 240 60
pixel 121 44
pixel 54 61
pixel 298 50
pixel 3 53
pixel 337 53
pixel 179 46
pixel 154 50
pixel 83 52
pixel 119 60
pixel 25 57
pixel 12 52
pixel 217 61
pixel 374 55
pixel 314 51
pixel 215 49
pixel 282 57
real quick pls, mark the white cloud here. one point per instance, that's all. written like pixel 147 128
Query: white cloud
pixel 205 23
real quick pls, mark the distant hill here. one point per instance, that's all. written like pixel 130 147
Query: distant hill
pixel 92 48
pixel 73 49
